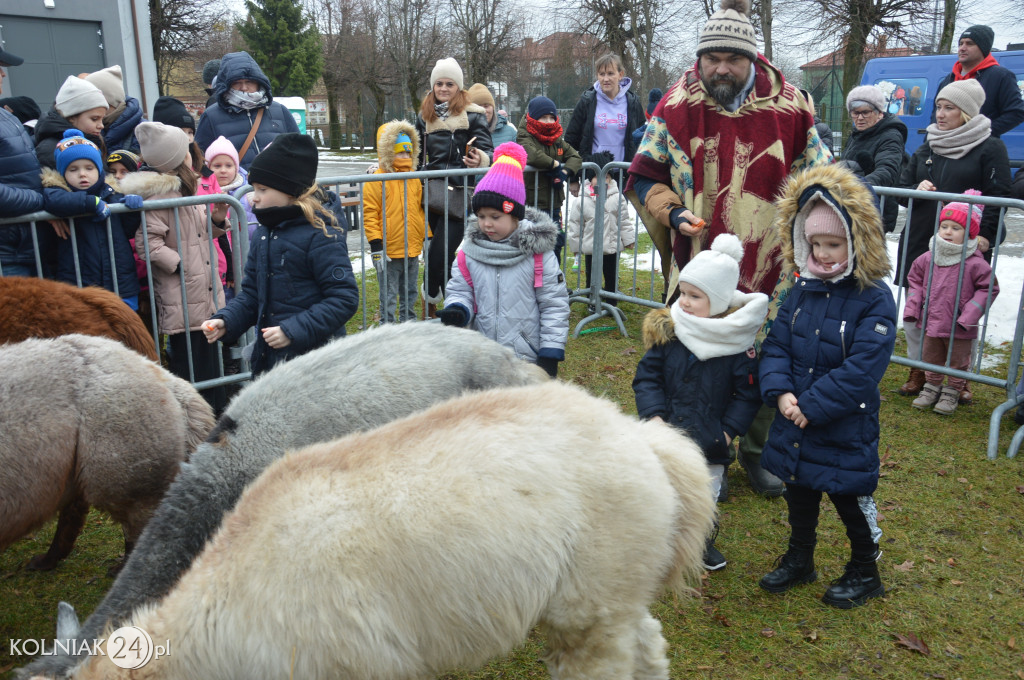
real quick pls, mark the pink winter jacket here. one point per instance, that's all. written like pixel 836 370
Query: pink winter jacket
pixel 970 308
pixel 205 187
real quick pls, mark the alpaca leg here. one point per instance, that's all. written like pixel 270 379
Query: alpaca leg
pixel 651 662
pixel 69 524
pixel 603 651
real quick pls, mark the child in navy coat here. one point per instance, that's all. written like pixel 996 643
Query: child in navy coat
pixel 820 364
pixel 699 372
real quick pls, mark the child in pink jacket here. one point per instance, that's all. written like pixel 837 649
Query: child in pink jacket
pixel 944 307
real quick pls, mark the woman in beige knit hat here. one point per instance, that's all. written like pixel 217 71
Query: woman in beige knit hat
pixel 958 154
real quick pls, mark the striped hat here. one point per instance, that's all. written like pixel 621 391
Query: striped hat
pixel 729 30
pixel 503 188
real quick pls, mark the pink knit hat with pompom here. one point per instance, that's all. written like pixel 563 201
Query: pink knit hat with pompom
pixel 503 188
pixel 958 213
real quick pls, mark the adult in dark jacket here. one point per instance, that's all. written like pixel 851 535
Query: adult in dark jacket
pixel 604 118
pixel 242 90
pixel 447 121
pixel 959 153
pixel 1003 104
pixel 123 112
pixel 79 105
pixel 21 191
pixel 876 145
pixel 24 109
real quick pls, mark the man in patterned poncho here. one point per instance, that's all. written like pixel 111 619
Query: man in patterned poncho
pixel 718 147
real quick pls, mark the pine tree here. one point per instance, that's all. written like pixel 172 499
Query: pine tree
pixel 285 45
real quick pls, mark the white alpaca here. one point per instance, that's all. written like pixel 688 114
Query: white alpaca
pixel 438 541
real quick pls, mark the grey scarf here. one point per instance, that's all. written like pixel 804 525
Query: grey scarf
pixel 945 253
pixel 441 110
pixel 503 253
pixel 956 143
pixel 246 101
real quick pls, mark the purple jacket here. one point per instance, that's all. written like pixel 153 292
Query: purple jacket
pixel 969 309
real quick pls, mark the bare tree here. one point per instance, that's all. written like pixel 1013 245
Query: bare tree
pixel 176 27
pixel 412 40
pixel 489 31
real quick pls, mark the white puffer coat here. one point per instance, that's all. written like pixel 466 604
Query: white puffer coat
pixel 617 221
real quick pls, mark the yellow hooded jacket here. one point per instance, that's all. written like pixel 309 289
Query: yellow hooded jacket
pixel 400 213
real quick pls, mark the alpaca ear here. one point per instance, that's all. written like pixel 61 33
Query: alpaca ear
pixel 67 622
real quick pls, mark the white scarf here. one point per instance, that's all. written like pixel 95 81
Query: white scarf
pixel 711 337
pixel 945 253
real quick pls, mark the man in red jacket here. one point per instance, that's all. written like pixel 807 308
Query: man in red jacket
pixel 1003 104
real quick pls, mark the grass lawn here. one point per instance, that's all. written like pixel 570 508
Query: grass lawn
pixel 953 559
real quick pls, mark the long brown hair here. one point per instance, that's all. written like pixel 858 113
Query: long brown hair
pixel 456 105
pixel 189 178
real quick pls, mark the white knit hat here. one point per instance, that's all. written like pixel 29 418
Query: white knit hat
pixel 716 272
pixel 108 81
pixel 163 147
pixel 446 68
pixel 77 95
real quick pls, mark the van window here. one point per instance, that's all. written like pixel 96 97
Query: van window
pixel 905 96
pixel 1020 83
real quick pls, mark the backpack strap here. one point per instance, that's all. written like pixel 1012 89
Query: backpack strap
pixel 538 270
pixel 460 257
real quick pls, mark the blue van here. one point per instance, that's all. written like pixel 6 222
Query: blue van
pixel 910 84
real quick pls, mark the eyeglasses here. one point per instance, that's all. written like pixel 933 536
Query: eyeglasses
pixel 861 114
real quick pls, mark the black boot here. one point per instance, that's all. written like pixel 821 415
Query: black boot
pixel 792 569
pixel 858 584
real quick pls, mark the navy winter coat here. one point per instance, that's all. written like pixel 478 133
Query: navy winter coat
pixel 21 191
pixel 90 237
pixel 1003 104
pixel 235 123
pixel 296 278
pixel 121 133
pixel 704 398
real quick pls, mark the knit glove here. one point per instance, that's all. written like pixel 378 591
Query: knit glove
pixel 133 201
pixel 454 315
pixel 102 211
pixel 677 219
pixel 549 365
pixel 559 175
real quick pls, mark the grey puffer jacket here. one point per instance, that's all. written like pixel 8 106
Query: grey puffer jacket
pixel 502 301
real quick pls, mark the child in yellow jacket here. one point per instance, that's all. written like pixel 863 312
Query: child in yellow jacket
pixel 394 222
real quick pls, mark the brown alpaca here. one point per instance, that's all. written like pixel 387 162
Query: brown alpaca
pixel 87 422
pixel 40 308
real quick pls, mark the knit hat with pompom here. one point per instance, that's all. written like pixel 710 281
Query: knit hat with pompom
pixel 729 30
pixel 958 212
pixel 503 188
pixel 716 272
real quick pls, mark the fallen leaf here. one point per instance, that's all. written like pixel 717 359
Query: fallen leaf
pixel 906 566
pixel 767 632
pixel 951 562
pixel 1019 488
pixel 627 352
pixel 928 558
pixel 1011 643
pixel 941 473
pixel 812 636
pixel 913 643
pixel 955 582
pixel 722 620
pixel 962 480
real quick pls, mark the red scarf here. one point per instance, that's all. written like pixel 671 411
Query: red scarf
pixel 985 63
pixel 546 133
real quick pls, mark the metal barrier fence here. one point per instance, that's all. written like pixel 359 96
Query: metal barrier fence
pixel 585 289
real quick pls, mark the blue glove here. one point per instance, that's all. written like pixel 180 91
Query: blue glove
pixel 102 211
pixel 133 201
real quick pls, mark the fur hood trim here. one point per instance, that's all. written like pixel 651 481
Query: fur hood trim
pixel 537 233
pixel 149 184
pixel 386 142
pixel 52 179
pixel 727 334
pixel 455 121
pixel 854 201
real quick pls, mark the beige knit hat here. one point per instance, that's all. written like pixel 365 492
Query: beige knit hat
pixel 729 30
pixel 480 95
pixel 967 95
pixel 108 81
pixel 447 68
pixel 77 95
pixel 163 147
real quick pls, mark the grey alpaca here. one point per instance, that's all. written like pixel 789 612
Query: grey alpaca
pixel 88 422
pixel 351 384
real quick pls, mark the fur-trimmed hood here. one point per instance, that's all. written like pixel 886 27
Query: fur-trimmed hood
pixel 52 179
pixel 149 184
pixel 386 143
pixel 537 233
pixel 726 334
pixel 854 201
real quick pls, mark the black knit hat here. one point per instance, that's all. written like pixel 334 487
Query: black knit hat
pixel 23 108
pixel 983 36
pixel 171 111
pixel 210 70
pixel 288 164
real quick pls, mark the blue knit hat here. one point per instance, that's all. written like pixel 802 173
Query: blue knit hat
pixel 541 106
pixel 75 147
pixel 402 143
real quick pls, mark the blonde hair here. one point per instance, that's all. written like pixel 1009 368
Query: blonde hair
pixel 313 208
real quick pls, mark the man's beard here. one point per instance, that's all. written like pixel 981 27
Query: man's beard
pixel 723 88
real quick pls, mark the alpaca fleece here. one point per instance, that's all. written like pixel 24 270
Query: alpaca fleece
pixel 514 507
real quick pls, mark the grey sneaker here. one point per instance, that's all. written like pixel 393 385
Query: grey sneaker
pixel 948 400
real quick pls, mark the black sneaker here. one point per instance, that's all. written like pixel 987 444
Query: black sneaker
pixel 713 559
